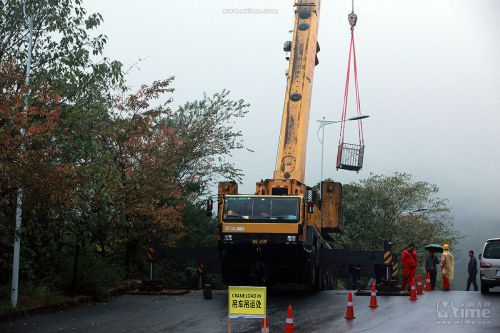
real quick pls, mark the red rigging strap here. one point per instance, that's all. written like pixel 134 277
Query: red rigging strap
pixel 352 59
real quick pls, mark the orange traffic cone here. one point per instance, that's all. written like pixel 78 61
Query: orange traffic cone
pixel 419 285
pixel 413 291
pixel 373 297
pixel 289 321
pixel 428 286
pixel 265 325
pixel 349 311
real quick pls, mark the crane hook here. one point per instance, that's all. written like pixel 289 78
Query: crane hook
pixel 352 17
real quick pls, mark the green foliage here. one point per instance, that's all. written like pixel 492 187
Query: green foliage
pixel 208 123
pixel 101 168
pixel 396 208
pixel 42 293
pixel 31 296
pixel 202 229
pixel 64 50
pixel 98 276
pixel 176 275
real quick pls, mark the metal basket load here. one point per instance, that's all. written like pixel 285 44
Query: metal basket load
pixel 350 156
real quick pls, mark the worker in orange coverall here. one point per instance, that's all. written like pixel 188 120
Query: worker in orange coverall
pixel 409 260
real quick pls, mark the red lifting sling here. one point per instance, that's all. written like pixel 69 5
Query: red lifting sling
pixel 350 156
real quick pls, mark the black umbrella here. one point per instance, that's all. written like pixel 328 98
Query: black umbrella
pixel 434 247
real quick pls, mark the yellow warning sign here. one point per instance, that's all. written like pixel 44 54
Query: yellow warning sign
pixel 247 302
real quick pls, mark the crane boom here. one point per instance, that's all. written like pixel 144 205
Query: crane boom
pixel 275 235
pixel 281 233
pixel 291 159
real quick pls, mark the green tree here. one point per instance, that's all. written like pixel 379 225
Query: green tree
pixel 30 129
pixel 67 57
pixel 64 50
pixel 165 158
pixel 396 208
pixel 101 169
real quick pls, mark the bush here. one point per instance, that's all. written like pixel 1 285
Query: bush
pixel 177 275
pixel 30 296
pixel 97 275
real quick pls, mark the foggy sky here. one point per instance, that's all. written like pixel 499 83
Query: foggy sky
pixel 429 77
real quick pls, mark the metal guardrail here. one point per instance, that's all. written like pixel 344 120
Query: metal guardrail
pixel 208 256
pixel 340 257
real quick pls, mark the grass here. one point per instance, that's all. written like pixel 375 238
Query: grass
pixel 30 298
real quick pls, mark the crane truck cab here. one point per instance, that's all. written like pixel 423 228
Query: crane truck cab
pixel 267 238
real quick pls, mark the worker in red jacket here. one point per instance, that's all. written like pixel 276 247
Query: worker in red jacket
pixel 409 260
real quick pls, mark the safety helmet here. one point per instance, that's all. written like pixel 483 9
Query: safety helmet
pixel 446 247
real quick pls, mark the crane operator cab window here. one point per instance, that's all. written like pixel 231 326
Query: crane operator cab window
pixel 261 209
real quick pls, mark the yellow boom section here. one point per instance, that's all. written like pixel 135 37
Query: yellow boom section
pixel 291 160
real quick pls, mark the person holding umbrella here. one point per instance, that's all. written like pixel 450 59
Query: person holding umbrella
pixel 447 267
pixel 431 262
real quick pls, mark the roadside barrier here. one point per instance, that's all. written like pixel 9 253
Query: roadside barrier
pixel 207 291
pixel 289 320
pixel 373 297
pixel 428 286
pixel 413 291
pixel 349 311
pixel 419 285
pixel 265 325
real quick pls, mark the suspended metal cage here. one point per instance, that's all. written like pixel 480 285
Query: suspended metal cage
pixel 350 156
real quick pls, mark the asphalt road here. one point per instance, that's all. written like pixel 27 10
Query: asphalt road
pixel 313 312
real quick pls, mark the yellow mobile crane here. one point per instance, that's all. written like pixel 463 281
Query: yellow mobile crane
pixel 275 235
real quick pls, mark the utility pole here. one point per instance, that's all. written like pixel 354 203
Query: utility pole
pixel 322 124
pixel 19 201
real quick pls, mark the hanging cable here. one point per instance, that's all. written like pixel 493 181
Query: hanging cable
pixel 352 18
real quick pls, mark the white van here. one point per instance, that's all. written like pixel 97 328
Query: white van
pixel 489 265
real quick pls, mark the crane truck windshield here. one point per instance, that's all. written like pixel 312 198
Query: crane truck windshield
pixel 261 209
